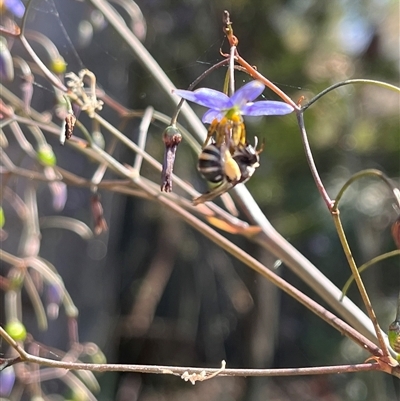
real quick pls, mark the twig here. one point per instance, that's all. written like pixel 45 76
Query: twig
pixel 143 130
pixel 179 371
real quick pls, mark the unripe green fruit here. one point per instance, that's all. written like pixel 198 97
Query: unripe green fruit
pixel 16 330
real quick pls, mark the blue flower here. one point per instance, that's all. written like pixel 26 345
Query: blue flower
pixel 241 102
pixel 16 7
pixel 7 379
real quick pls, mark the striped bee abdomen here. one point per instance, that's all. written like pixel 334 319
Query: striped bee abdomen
pixel 210 164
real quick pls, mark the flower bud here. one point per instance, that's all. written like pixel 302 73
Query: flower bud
pixel 16 278
pixel 100 223
pixel 54 295
pixel 46 155
pixel 58 65
pixel 171 138
pixel 95 353
pixel 85 33
pixel 2 217
pixel 98 139
pixel 16 330
pixel 7 380
pixel 394 335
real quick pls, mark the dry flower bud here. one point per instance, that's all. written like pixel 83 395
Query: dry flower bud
pixel 171 138
pixel 70 120
pixel 100 224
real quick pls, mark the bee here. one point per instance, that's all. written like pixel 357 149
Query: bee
pixel 230 130
pixel 225 170
pixel 216 164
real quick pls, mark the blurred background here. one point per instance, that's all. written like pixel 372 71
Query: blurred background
pixel 151 290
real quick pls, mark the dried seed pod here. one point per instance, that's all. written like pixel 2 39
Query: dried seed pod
pixel 100 224
pixel 171 138
pixel 70 121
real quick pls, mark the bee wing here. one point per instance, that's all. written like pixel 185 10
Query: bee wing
pixel 208 196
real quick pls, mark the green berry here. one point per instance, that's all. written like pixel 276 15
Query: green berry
pixel 46 155
pixel 58 65
pixel 394 335
pixel 2 217
pixel 16 330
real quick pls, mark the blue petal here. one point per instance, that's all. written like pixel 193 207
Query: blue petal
pixel 16 7
pixel 210 115
pixel 7 380
pixel 266 108
pixel 247 93
pixel 206 97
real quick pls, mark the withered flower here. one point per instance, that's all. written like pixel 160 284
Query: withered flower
pixel 171 138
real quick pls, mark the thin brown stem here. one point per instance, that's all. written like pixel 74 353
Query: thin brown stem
pixel 248 260
pixel 256 75
pixel 311 163
pixel 179 371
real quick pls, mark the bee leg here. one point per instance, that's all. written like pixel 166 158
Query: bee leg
pixel 212 129
pixel 243 134
pixel 215 192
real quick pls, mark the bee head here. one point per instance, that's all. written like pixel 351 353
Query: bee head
pixel 248 159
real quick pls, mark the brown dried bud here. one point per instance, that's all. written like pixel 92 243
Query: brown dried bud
pixel 396 232
pixel 171 138
pixel 100 224
pixel 70 120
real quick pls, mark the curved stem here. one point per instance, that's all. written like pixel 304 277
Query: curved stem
pixel 366 173
pixel 350 82
pixel 24 18
pixel 365 266
pixel 47 73
pixel 311 163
